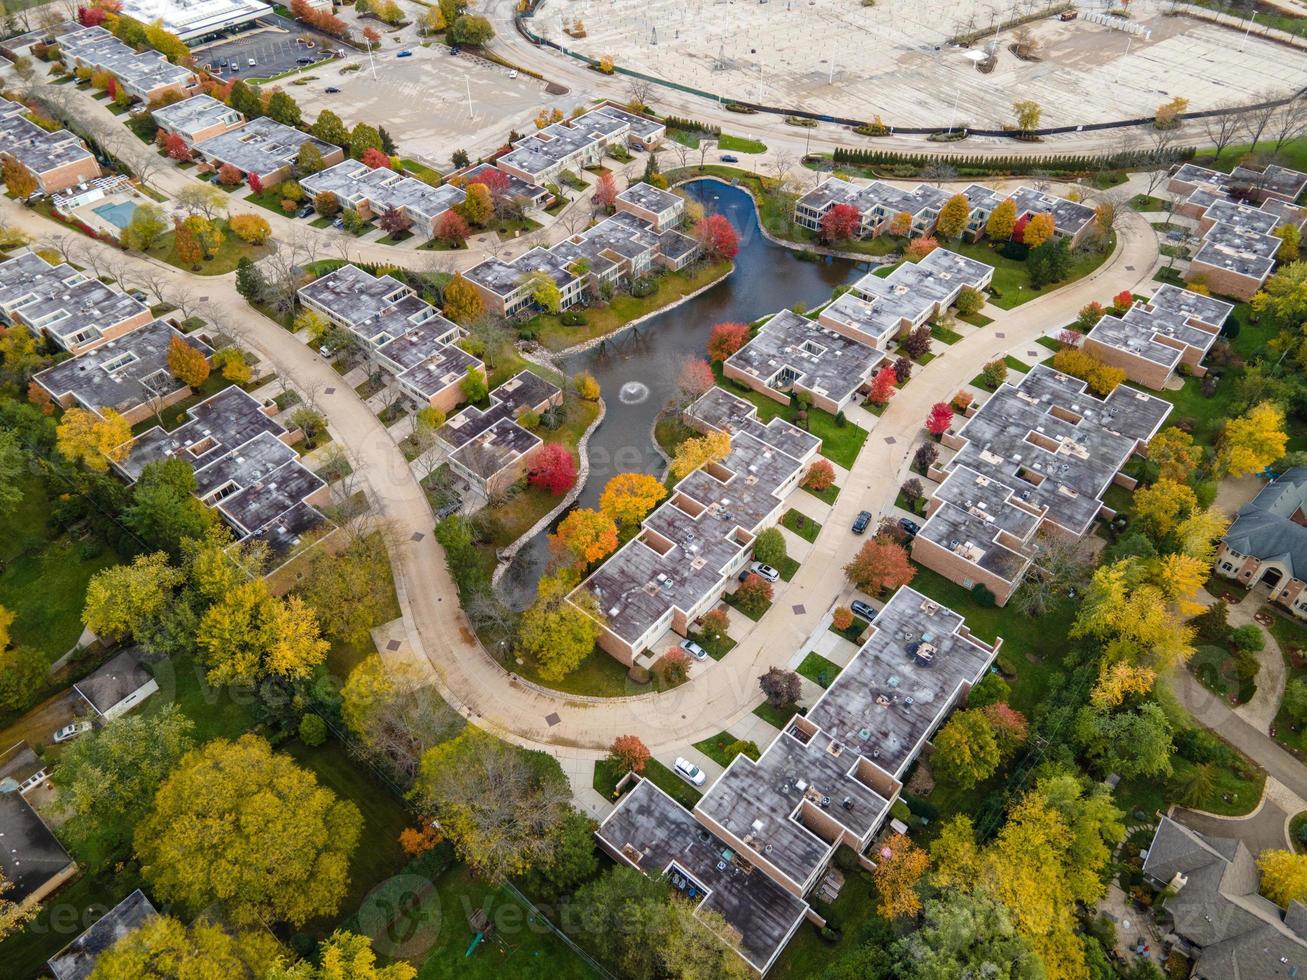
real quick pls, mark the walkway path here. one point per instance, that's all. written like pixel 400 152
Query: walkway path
pixel 1262 707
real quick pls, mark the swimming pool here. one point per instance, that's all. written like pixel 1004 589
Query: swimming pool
pixel 119 215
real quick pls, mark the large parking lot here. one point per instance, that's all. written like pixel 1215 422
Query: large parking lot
pixel 274 48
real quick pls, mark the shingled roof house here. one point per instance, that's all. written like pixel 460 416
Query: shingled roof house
pixel 1217 916
pixel 1267 543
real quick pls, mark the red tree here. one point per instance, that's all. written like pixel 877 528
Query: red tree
pixel 372 157
pixel 820 475
pixel 554 469
pixel 176 147
pixel 1122 301
pixel 229 176
pixel 630 753
pixel 726 339
pixel 883 385
pixel 1019 229
pixel 495 181
pixel 605 195
pixel 111 87
pixel 695 378
pixel 90 16
pixel 841 223
pixel 256 184
pixel 451 228
pixel 1010 726
pixel 718 237
pixel 939 419
pixel 880 564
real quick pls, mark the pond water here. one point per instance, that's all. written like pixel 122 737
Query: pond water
pixel 637 370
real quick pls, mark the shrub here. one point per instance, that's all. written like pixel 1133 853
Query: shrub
pixel 1248 639
pixel 769 547
pixel 313 730
pixel 821 475
pixel 842 618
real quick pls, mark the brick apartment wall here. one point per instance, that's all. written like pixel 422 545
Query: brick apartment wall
pixel 208 132
pixel 493 302
pixel 734 373
pixel 139 413
pixel 68 175
pixel 958 570
pixel 1223 281
pixel 1138 369
pixel 616 647
pixel 508 168
pixel 639 212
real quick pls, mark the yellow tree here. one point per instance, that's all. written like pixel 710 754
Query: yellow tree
pixel 588 535
pixel 462 301
pixel 897 875
pixel 693 453
pixel 1180 577
pixel 954 855
pixel 344 955
pixel 585 385
pixel 122 598
pixel 13 915
pixel 249 634
pixel 953 216
pixel 18 179
pixel 187 245
pixel 94 440
pixel 1284 876
pixel 1039 229
pixel 295 645
pixel 1175 453
pixel 163 948
pixel 628 497
pixel 901 224
pixel 478 207
pixel 1002 220
pixel 1198 533
pixel 1119 680
pixel 1254 440
pixel 1133 617
pixel 1162 505
pixel 1028 112
pixel 556 631
pixel 186 363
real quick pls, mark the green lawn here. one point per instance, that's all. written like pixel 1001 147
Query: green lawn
pixel 1052 343
pixel 607 774
pixel 1011 282
pixel 755 616
pixel 818 669
pixel 685 137
pixel 808 955
pixel 715 747
pixel 716 648
pixel 420 169
pixel 223 261
pixel 826 496
pixel 976 319
pixel 623 308
pixel 1293 154
pixel 776 717
pixel 1232 795
pixel 218 712
pixel 43 574
pixel 739 144
pixel 839 443
pixel 944 335
pixel 801 524
pixel 598 675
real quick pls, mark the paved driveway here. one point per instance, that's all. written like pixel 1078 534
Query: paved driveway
pixel 1261 830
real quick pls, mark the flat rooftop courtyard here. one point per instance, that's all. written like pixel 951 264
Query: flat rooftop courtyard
pixel 894 59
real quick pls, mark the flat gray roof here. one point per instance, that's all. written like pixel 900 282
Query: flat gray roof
pixel 37 149
pixel 651 198
pixel 145 70
pixel 77 960
pixel 1161 328
pixel 194 114
pixel 68 304
pixel 789 350
pixel 31 855
pixel 354 182
pixel 880 306
pixel 260 146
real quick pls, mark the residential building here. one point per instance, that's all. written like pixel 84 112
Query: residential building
pixel 118 685
pixel 690 548
pixel 264 148
pixel 1071 219
pixel 77 960
pixel 195 21
pixel 578 143
pixel 1038 455
pixel 372 191
pixel 877 310
pixel 1152 339
pixel 489 448
pixel 244 467
pixel 506 288
pixel 762 837
pixel 791 353
pixel 129 374
pixel 76 311
pixel 1267 542
pixel 406 336
pixel 146 75
pixel 659 208
pixel 1218 919
pixel 532 195
pixel 20 766
pixel 57 160
pixel 199 118
pixel 32 859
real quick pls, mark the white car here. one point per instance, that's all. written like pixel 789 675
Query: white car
pixel 513 73
pixel 691 773
pixel 766 571
pixel 252 62
pixel 72 731
pixel 694 650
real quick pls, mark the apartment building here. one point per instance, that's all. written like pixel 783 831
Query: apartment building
pixel 659 208
pixel 1152 339
pixel 1236 214
pixel 263 148
pixel 763 835
pixel 57 160
pixel 244 467
pixel 1036 456
pixel 534 195
pixel 404 335
pixel 506 287
pixel 877 310
pixel 1267 542
pixel 145 75
pixel 372 191
pixel 74 310
pixel 690 548
pixel 199 118
pixel 1071 219
pixel 791 353
pixel 128 374
pixel 578 143
pixel 489 448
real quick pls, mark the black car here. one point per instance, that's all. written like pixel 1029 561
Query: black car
pixel 861 521
pixel 305 211
pixel 331 90
pixel 910 526
pixel 862 610
pixel 303 61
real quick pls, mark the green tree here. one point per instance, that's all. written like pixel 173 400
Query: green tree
pixel 474 385
pixel 108 778
pixel 164 508
pixel 250 282
pixel 329 128
pixel 283 109
pixel 241 826
pixel 558 634
pixel 504 808
pixel 246 99
pixel 147 226
pixel 1128 742
pixel 165 949
pixel 24 671
pixel 1285 294
pixel 966 935
pixel 121 599
pixel 769 547
pixel 470 29
pixel 352 590
pixel 966 751
pixel 363 137
pixel 13 465
pixel 309 161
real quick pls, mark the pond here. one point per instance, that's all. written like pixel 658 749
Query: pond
pixel 637 370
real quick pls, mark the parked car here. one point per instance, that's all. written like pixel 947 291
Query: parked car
pixel 861 521
pixel 766 571
pixel 223 62
pixel 327 351
pixel 730 158
pixel 338 223
pixel 513 73
pixel 694 650
pixel 909 525
pixel 862 610
pixel 72 731
pixel 252 62
pixel 454 49
pixel 450 506
pixel 691 773
pixel 405 54
pixel 305 211
pixel 331 90
pixel 137 294
pixel 303 61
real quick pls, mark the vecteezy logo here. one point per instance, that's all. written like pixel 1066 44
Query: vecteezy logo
pixel 402 917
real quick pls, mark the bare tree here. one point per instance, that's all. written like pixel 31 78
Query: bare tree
pixel 781 164
pixel 704 146
pixel 682 153
pixel 937 172
pixel 399 721
pixel 1059 566
pixel 640 89
pixel 1161 150
pixel 203 199
pixel 153 280
pixel 68 246
pixel 1255 121
pixel 1289 123
pixel 1223 128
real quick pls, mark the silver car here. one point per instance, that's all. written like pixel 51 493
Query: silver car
pixel 694 650
pixel 766 571
pixel 691 773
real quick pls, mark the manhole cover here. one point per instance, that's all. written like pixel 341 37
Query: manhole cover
pixel 890 440
pixel 1001 336
pixel 329 391
pixel 799 609
pixel 417 536
pixel 552 719
pixel 393 645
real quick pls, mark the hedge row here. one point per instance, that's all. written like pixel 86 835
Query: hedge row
pixel 1014 164
pixel 690 125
